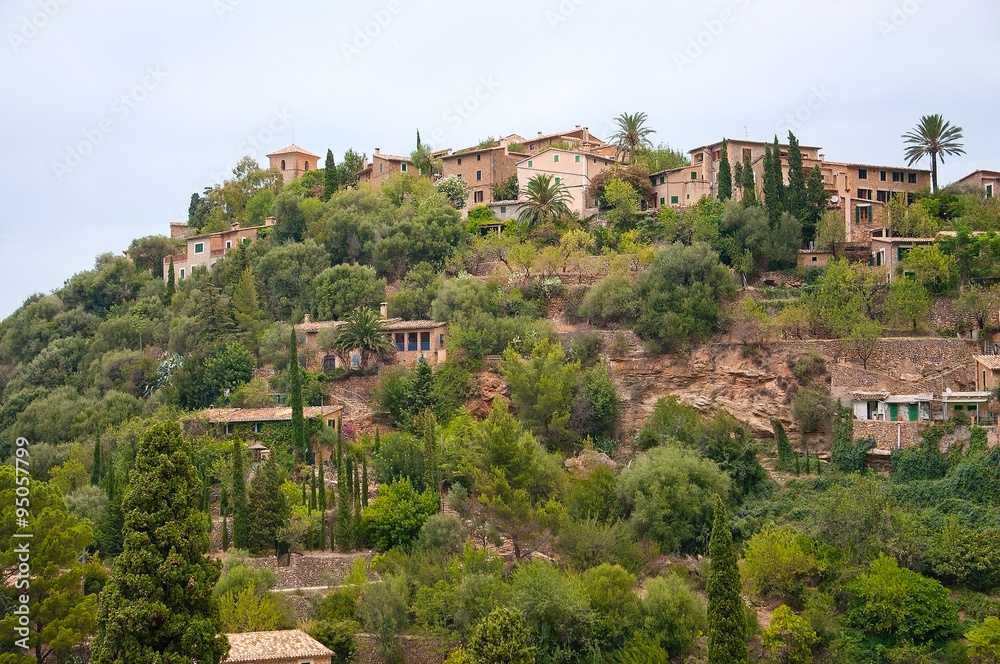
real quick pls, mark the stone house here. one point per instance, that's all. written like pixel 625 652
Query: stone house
pixel 483 169
pixel 574 169
pixel 205 250
pixel 987 372
pixel 890 251
pixel 414 340
pixel 988 181
pixel 858 191
pixel 883 406
pixel 255 420
pixel 382 166
pixel 293 161
pixel 288 646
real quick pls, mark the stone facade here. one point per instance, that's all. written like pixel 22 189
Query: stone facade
pixel 293 161
pixel 205 250
pixel 573 169
pixel 483 169
pixel 383 166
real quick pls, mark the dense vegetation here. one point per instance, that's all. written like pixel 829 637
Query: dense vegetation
pixel 107 376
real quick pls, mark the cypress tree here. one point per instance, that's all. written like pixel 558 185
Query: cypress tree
pixel 329 176
pixel 727 626
pixel 109 532
pixel 798 469
pixel 268 508
pixel 725 174
pixel 313 503
pixel 241 518
pixel 773 185
pixel 815 204
pixel 738 174
pixel 431 480
pixel 343 532
pixel 322 481
pixel 225 534
pixel 157 605
pixel 795 196
pixel 807 462
pixel 295 398
pixel 785 450
pixel 98 464
pixel 749 183
pixel 358 532
pixel 303 501
pixel 364 478
pixel 171 287
pixel 223 501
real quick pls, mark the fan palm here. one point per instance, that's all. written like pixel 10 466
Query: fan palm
pixel 363 331
pixel 542 199
pixel 632 136
pixel 935 137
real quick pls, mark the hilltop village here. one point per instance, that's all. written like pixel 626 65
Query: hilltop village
pixel 551 397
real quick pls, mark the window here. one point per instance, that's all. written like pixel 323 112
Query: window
pixel 258 427
pixel 747 154
pixel 558 180
pixel 897 176
pixel 411 341
pixel 355 361
pixel 182 273
pixel 883 196
pixel 503 209
pixel 716 156
pixel 662 179
pixel 694 175
pixel 458 175
pixel 441 340
pixel 555 157
pixel 307 166
pixel 881 176
pixel 911 198
pixel 380 167
pixel 862 173
pixel 989 191
pixel 911 178
pixel 400 341
pixel 329 362
pixel 879 258
pixel 863 214
pixel 531 146
pixel 402 167
pixel 282 164
pixel 866 194
pixel 530 163
pixel 479 175
pixel 477 196
pixel 673 200
pixel 229 244
pixel 662 200
pixel 459 161
pixel 425 341
pixel 199 247
pixel 576 159
pixel 814 259
pixel 479 157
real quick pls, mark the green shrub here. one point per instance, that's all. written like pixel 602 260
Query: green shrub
pixel 776 563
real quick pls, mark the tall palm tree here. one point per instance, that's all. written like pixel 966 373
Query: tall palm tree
pixel 935 137
pixel 543 200
pixel 632 136
pixel 363 331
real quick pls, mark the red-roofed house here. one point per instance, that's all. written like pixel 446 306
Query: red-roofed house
pixel 256 419
pixel 293 161
pixel 287 646
pixel 987 372
pixel 384 165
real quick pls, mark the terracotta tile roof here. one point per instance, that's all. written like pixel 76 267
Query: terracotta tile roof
pixel 391 324
pixel 292 148
pixel 870 395
pixel 391 157
pixel 276 414
pixel 269 646
pixel 989 361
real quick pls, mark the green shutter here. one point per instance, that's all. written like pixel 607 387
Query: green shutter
pixel 694 175
pixel 913 412
pixel 577 159
pixel 673 200
pixel 893 411
pixel 662 200
pixel 529 163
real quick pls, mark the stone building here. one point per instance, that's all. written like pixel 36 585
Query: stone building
pixel 288 646
pixel 382 166
pixel 293 161
pixel 205 249
pixel 574 169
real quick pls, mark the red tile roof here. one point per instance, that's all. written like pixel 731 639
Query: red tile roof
pixel 989 361
pixel 277 414
pixel 271 646
pixel 293 148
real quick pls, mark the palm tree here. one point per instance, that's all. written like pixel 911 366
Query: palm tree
pixel 543 199
pixel 935 137
pixel 363 331
pixel 632 136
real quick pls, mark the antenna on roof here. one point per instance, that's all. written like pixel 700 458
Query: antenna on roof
pixel 746 133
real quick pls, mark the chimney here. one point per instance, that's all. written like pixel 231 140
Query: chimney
pixel 577 126
pixel 540 134
pixel 378 150
pixel 305 319
pixel 383 310
pixel 270 221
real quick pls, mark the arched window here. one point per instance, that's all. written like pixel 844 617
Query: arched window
pixel 307 165
pixel 282 164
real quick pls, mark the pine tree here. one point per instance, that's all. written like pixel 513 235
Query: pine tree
pixel 295 398
pixel 214 319
pixel 749 182
pixel 330 184
pixel 727 626
pixel 157 605
pixel 795 196
pixel 97 466
pixel 245 308
pixel 171 286
pixel 725 174
pixel 241 515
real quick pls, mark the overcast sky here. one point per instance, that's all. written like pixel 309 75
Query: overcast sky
pixel 117 111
